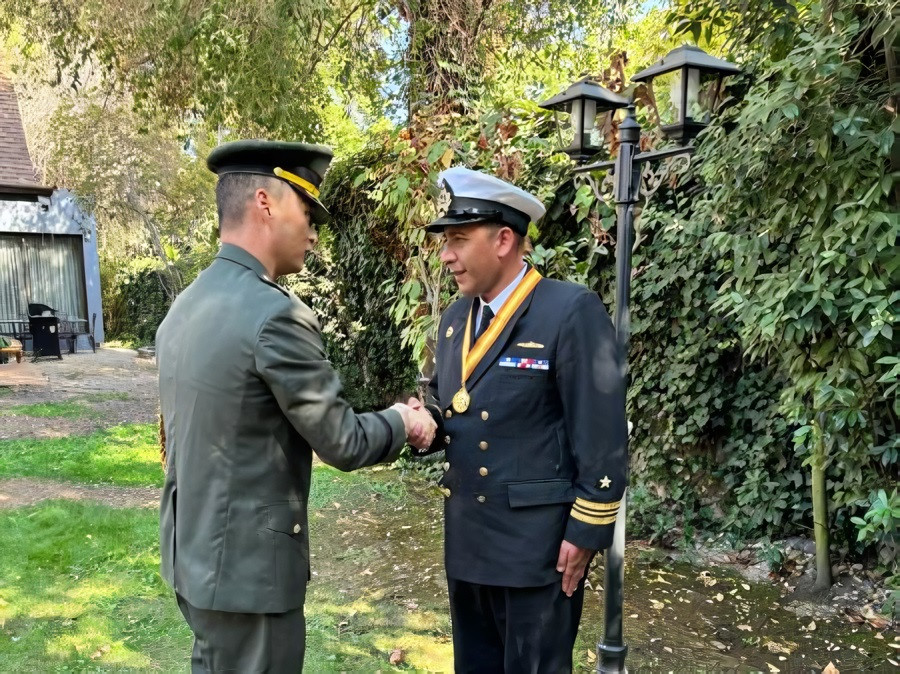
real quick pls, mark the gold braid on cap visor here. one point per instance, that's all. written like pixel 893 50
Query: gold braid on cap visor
pixel 297 180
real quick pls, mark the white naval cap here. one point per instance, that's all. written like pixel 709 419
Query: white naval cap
pixel 474 198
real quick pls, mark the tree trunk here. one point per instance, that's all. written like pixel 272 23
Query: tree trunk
pixel 820 507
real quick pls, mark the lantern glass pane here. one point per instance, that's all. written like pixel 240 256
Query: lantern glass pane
pixel 667 92
pixel 695 104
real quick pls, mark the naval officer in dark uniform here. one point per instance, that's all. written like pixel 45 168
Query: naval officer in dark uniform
pixel 528 394
pixel 247 395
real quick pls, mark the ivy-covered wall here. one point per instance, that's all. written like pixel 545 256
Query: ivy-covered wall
pixel 763 293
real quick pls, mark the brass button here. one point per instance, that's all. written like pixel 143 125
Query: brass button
pixel 446 439
pixel 481 499
pixel 482 445
pixel 445 492
pixel 484 416
pixel 446 465
pixel 296 528
pixel 448 413
pixel 482 471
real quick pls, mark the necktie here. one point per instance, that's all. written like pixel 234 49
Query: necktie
pixel 486 316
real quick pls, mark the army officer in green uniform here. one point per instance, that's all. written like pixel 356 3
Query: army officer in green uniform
pixel 247 395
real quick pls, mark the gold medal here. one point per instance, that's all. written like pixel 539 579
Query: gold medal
pixel 461 401
pixel 470 360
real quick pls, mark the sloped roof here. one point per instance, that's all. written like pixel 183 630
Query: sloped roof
pixel 17 172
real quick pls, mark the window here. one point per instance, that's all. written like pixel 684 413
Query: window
pixel 42 268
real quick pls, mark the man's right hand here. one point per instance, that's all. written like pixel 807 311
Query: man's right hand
pixel 420 426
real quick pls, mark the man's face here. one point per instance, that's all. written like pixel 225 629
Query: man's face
pixel 470 254
pixel 293 234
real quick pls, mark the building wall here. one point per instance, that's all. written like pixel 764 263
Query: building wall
pixel 60 214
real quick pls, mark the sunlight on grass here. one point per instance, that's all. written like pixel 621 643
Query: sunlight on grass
pixel 80 589
pixel 358 634
pixel 122 455
pixel 66 410
pixel 329 485
pixel 72 575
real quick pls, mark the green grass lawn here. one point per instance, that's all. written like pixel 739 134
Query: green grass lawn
pixel 80 589
pixel 67 410
pixel 126 455
pixel 76 408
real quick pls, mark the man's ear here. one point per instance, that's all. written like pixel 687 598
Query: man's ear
pixel 507 242
pixel 263 200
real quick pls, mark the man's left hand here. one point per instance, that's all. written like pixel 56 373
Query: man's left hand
pixel 571 564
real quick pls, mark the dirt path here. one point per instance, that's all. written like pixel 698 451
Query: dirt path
pixel 117 386
pixel 24 491
pixel 111 387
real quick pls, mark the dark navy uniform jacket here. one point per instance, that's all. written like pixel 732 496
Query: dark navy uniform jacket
pixel 540 454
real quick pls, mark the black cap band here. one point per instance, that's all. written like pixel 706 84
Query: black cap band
pixel 469 211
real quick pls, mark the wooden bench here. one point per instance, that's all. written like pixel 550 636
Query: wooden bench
pixel 14 349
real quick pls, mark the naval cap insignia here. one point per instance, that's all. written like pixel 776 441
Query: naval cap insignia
pixel 443 202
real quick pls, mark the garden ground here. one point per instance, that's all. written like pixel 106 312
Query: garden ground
pixel 80 590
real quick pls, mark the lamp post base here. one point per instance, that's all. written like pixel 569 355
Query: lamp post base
pixel 611 659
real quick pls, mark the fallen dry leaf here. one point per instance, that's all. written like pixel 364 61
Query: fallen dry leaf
pixel 100 652
pixel 772 668
pixel 879 622
pixel 831 669
pixel 776 648
pixel 719 645
pixel 397 656
pixel 746 628
pixel 591 656
pixel 719 597
pixel 708 580
pixel 811 627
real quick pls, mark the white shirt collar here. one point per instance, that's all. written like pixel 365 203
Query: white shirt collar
pixel 498 301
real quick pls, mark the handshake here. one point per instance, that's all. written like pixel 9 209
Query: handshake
pixel 420 426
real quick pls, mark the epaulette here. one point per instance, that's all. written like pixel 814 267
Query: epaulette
pixel 265 279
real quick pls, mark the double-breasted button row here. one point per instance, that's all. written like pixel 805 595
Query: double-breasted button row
pixel 449 413
pixel 482 445
pixel 483 471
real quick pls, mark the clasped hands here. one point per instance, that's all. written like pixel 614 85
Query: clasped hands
pixel 419 424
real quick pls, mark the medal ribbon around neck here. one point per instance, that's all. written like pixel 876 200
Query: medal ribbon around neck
pixel 471 359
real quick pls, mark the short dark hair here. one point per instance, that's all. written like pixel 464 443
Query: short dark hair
pixel 235 190
pixel 523 243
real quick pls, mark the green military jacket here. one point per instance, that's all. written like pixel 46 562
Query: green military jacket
pixel 247 395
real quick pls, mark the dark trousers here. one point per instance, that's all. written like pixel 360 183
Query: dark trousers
pixel 513 630
pixel 245 642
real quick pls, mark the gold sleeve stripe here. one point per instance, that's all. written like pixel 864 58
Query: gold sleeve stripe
pixel 598 508
pixel 592 520
pixel 591 513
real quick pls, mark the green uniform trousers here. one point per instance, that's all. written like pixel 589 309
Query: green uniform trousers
pixel 248 643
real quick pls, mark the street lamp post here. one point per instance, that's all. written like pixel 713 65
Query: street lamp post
pixel 688 70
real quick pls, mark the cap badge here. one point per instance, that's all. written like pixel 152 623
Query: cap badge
pixel 443 202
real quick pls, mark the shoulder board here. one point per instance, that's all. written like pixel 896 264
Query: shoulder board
pixel 270 282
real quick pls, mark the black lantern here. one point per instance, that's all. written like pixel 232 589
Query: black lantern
pixel 584 100
pixel 693 79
